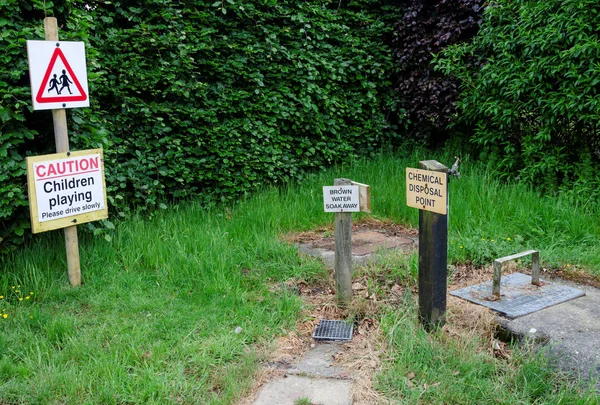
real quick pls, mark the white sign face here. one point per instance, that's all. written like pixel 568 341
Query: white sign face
pixel 341 198
pixel 426 190
pixel 67 187
pixel 58 74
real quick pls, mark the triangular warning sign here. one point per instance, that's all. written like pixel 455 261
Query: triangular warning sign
pixel 42 97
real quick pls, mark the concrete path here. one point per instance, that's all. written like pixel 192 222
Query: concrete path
pixel 571 329
pixel 314 378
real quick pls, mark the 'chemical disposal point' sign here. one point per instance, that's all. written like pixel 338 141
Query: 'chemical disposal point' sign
pixel 58 74
pixel 341 198
pixel 426 190
pixel 66 189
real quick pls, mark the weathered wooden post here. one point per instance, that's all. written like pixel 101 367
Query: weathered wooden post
pixel 61 137
pixel 66 188
pixel 427 189
pixel 344 198
pixel 343 252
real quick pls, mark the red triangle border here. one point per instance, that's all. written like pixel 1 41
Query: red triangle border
pixel 40 95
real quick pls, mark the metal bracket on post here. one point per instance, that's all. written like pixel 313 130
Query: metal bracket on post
pixel 454 170
pixel 499 264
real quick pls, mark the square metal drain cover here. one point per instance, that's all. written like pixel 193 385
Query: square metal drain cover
pixel 333 330
pixel 518 296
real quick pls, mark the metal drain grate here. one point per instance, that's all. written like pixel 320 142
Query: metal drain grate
pixel 333 330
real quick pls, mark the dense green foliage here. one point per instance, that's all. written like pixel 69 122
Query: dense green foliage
pixel 203 99
pixel 534 100
pixel 212 99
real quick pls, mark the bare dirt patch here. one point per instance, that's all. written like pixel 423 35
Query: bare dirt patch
pixel 368 236
pixel 577 276
pixel 388 228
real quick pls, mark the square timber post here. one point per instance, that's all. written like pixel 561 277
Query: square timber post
pixel 343 253
pixel 433 258
pixel 59 117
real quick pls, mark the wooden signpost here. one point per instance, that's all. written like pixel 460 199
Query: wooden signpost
pixel 344 198
pixel 427 190
pixel 67 193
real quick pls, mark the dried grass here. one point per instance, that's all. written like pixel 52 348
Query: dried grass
pixel 363 357
pixel 576 275
pixel 466 321
pixel 306 236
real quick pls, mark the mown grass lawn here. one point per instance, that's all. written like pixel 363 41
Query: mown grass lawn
pixel 178 308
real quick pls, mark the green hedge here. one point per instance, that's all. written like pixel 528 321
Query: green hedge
pixel 201 99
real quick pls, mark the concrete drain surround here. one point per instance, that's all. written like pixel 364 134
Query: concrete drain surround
pixel 518 296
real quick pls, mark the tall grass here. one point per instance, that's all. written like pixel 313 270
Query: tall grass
pixel 422 368
pixel 482 209
pixel 156 318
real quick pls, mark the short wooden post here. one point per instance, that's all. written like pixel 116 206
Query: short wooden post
pixel 343 253
pixel 61 136
pixel 433 258
pixel 535 268
pixel 497 278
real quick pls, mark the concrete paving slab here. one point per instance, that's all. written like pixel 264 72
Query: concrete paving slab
pixel 318 362
pixel 314 377
pixel 285 391
pixel 571 329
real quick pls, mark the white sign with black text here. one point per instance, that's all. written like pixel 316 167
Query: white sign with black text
pixel 341 198
pixel 68 187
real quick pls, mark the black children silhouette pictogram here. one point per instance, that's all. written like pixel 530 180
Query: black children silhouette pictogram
pixel 64 82
pixel 54 85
